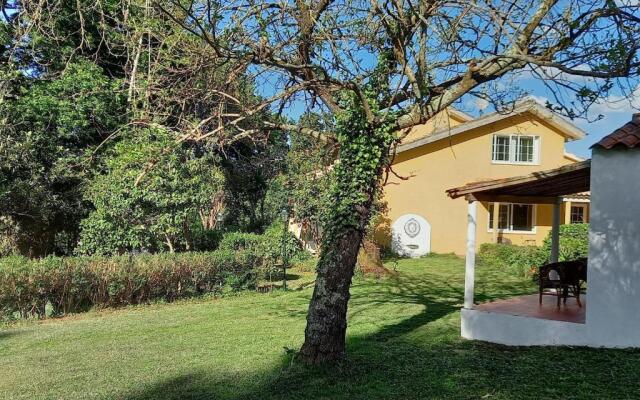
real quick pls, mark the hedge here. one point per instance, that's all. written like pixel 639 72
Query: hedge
pixel 574 242
pixel 74 284
pixel 267 247
pixel 524 260
pixel 61 285
pixel 518 260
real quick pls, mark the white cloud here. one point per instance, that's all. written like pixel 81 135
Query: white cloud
pixel 552 73
pixel 481 104
pixel 539 99
pixel 622 104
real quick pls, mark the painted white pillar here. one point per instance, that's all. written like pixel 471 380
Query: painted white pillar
pixel 555 231
pixel 496 223
pixel 470 265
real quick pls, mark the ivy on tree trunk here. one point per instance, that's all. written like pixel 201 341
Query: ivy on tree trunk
pixel 363 154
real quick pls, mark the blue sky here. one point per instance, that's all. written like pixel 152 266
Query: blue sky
pixel 596 130
pixel 616 109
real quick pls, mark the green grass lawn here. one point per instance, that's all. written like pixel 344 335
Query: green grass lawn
pixel 403 343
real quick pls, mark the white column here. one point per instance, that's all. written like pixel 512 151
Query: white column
pixel 555 231
pixel 470 265
pixel 496 218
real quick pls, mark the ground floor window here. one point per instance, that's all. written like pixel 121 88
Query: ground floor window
pixel 578 214
pixel 513 217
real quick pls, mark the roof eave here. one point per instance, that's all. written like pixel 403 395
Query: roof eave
pixel 566 128
pixel 496 184
pixel 573 157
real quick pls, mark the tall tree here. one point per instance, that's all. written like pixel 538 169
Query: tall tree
pixel 59 96
pixel 79 77
pixel 382 67
pixel 46 129
pixel 165 211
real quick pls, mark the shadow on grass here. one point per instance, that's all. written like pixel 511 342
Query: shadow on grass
pixel 379 365
pixel 422 357
pixel 290 277
pixel 7 334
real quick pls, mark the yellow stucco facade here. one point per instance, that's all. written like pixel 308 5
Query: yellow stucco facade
pixel 465 157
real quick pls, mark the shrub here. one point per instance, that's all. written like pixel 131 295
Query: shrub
pixel 273 244
pixel 73 284
pixel 574 242
pixel 523 260
pixel 519 260
pixel 266 248
pixel 30 287
pixel 237 241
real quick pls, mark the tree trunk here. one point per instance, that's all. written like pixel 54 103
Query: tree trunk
pixel 169 243
pixel 327 317
pixel 188 240
pixel 362 156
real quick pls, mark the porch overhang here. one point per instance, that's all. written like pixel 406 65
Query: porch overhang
pixel 543 187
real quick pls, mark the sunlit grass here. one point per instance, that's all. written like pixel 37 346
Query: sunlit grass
pixel 403 343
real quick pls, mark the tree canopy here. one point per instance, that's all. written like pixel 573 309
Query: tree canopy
pixel 106 108
pixel 383 67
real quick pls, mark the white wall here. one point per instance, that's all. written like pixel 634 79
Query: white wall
pixel 516 330
pixel 613 312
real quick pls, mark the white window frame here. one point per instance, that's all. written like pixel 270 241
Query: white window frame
pixel 534 212
pixel 584 213
pixel 513 147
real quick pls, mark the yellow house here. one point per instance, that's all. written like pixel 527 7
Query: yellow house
pixel 454 149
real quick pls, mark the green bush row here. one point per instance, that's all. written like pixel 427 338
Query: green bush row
pixel 518 260
pixel 269 246
pixel 574 242
pixel 74 284
pixel 524 260
pixel 61 285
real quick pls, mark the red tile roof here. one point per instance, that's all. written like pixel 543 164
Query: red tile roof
pixel 628 135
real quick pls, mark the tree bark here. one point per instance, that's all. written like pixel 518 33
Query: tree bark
pixel 169 243
pixel 327 317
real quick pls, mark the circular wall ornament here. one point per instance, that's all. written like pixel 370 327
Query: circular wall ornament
pixel 412 228
pixel 411 236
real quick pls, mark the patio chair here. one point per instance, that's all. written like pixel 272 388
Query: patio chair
pixel 564 277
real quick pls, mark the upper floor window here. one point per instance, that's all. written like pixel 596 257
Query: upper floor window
pixel 515 149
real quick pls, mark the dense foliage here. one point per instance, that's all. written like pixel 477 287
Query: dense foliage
pixel 309 176
pixel 144 207
pixel 47 130
pixel 73 284
pixel 574 242
pixel 516 260
pixel 271 246
pixel 107 146
pixel 524 260
pixel 61 285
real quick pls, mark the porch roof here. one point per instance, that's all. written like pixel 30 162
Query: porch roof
pixel 539 187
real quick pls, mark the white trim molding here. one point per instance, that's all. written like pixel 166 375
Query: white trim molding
pixel 566 128
pixel 514 142
pixel 534 216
